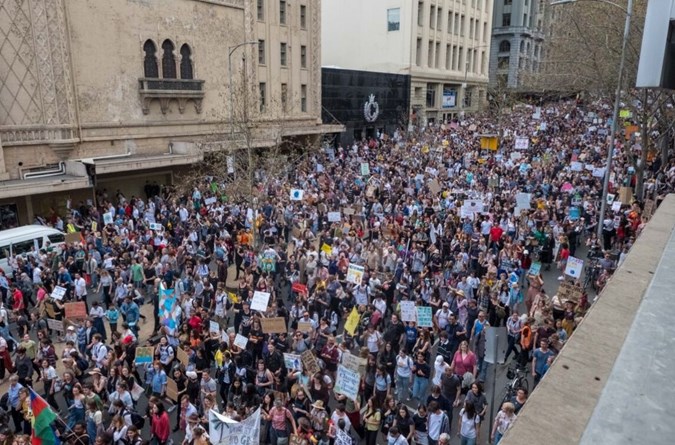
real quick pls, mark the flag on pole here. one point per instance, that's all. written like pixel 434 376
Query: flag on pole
pixel 42 419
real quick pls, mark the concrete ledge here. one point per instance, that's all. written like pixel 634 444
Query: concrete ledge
pixel 559 409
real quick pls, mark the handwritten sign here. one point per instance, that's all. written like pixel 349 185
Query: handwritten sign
pixel 58 293
pixel 355 274
pixel 156 227
pixel 293 362
pixel 276 325
pixel 309 363
pixel 574 267
pixel 347 382
pixel 75 311
pixel 354 363
pixel 352 321
pixel 535 268
pixel 408 311
pixel 107 218
pixel 214 327
pixel 240 341
pixel 365 169
pixel 55 325
pixel 522 143
pixel 209 201
pixel 334 216
pixel 568 291
pixel 424 317
pixel 144 355
pixel 260 301
pixel 305 326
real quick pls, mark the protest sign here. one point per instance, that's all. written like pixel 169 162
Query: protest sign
pixel 76 310
pixel 240 341
pixel 616 206
pixel 72 238
pixel 293 362
pixel 214 327
pixel 58 293
pixel 568 291
pixel 209 201
pixel 171 390
pixel 225 431
pixel 297 194
pixel 107 218
pixel 55 325
pixel 535 268
pixel 156 227
pixel 352 321
pixel 355 274
pixel 408 311
pixel 182 356
pixel 347 382
pixel 144 355
pixel 259 301
pixel 334 216
pixel 305 326
pixel 574 267
pixel 299 288
pixel 576 166
pixel 276 325
pixel 434 186
pixel 424 317
pixel 354 363
pixel 365 169
pixel 523 200
pixel 522 143
pixel 309 363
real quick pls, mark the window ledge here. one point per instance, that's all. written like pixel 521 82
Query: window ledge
pixel 165 90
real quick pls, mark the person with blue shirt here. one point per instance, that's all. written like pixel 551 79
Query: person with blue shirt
pixel 540 359
pixel 159 379
pixel 15 403
pixel 131 313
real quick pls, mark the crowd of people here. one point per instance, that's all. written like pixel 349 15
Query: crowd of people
pixel 427 217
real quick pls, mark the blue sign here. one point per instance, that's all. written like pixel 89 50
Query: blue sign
pixel 575 213
pixel 535 268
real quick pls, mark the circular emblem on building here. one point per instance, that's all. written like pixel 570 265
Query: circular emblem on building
pixel 371 110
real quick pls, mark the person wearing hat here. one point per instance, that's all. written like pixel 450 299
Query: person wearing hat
pixel 318 417
pixel 442 316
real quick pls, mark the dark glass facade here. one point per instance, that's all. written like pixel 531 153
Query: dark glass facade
pixel 346 95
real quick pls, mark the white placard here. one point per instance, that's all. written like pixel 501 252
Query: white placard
pixel 293 362
pixel 107 218
pixel 156 226
pixel 58 293
pixel 355 274
pixel 214 327
pixel 576 166
pixel 347 382
pixel 574 267
pixel 209 201
pixel 240 341
pixel 230 164
pixel 598 172
pixel 522 143
pixel 260 301
pixel 334 216
pixel 616 206
pixel 523 201
pixel 408 311
pixel 297 194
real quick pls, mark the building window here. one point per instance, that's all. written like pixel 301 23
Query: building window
pixel 186 62
pixel 502 62
pixel 420 13
pixel 522 46
pixel 150 67
pixel 506 19
pixel 461 27
pixel 262 88
pixel 485 33
pixel 303 16
pixel 439 19
pixel 284 97
pixel 168 60
pixel 437 60
pixel 303 98
pixel 261 52
pixel 418 52
pixel 432 17
pixel 282 12
pixel 524 19
pixel 455 29
pixel 303 56
pixel 483 62
pixel 431 95
pixel 448 57
pixel 449 22
pixel 508 2
pixel 430 54
pixel 282 53
pixel 261 10
pixel 393 19
pixel 504 46
pixel 470 28
pixel 467 98
pixel 460 59
pixel 454 57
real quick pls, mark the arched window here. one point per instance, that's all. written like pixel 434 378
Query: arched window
pixel 150 60
pixel 168 60
pixel 522 47
pixel 504 46
pixel 185 62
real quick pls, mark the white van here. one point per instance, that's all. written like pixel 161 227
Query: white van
pixel 21 240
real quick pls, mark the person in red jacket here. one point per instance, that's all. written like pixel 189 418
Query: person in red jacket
pixel 161 429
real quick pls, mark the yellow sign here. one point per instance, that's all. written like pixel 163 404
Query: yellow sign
pixel 489 143
pixel 234 298
pixel 327 249
pixel 625 114
pixel 352 321
pixel 425 149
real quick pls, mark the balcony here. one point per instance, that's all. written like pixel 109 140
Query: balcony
pixel 165 90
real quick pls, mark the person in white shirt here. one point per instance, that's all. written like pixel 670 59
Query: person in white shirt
pixel 99 352
pixel 80 287
pixel 443 316
pixel 404 365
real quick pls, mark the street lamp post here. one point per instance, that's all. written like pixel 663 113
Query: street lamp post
pixel 615 114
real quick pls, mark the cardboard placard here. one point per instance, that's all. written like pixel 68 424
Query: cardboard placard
pixel 172 390
pixel 568 291
pixel 144 355
pixel 309 363
pixel 347 382
pixel 73 238
pixel 625 195
pixel 434 187
pixel 276 325
pixel 76 310
pixel 260 301
pixel 305 327
pixel 182 356
pixel 55 325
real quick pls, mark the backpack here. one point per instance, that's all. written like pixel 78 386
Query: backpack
pixel 136 419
